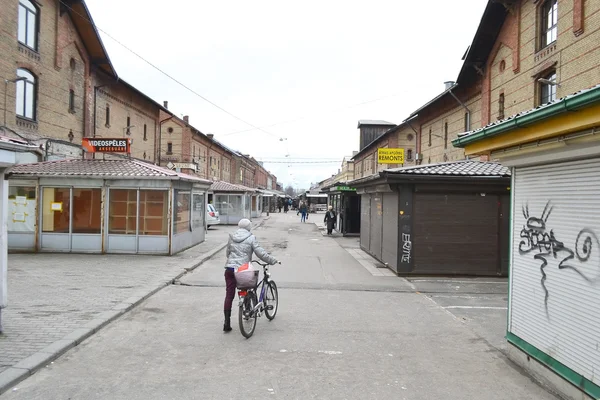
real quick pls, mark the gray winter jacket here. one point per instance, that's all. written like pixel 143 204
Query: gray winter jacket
pixel 241 245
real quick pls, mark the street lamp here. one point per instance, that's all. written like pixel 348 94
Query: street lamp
pixel 6 82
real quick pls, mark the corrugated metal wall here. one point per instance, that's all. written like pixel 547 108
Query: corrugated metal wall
pixel 555 288
pixel 365 221
pixel 389 248
pixel 376 225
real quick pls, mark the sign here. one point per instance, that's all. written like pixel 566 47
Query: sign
pixel 169 158
pixel 183 166
pixel 345 189
pixel 390 156
pixel 92 145
pixel 56 206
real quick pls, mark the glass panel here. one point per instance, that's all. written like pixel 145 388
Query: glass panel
pixel 154 206
pixel 181 222
pixel 55 210
pixel 22 33
pixel 28 4
pixel 31 28
pixel 21 209
pixel 198 211
pixel 122 212
pixel 29 100
pixel 222 204
pixel 87 207
pixel 20 106
pixel 235 205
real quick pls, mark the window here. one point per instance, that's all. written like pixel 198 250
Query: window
pixel 429 137
pixel 409 154
pixel 122 214
pixel 549 24
pixel 28 24
pixel 145 132
pixel 466 122
pixel 501 106
pixel 445 135
pixel 128 126
pixel 198 211
pixel 193 152
pixel 86 211
pixel 21 209
pixel 107 122
pixel 56 210
pixel 26 92
pixel 169 148
pixel 71 101
pixel 182 211
pixel 548 88
pixel 153 212
pixel 241 174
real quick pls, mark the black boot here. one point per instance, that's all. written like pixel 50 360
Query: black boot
pixel 227 324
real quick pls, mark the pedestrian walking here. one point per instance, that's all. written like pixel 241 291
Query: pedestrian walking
pixel 330 219
pixel 242 244
pixel 303 212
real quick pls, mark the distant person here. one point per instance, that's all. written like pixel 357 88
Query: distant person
pixel 330 219
pixel 303 212
pixel 242 244
pixel 286 206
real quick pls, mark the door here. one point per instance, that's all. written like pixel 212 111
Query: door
pixel 455 233
pixel 555 262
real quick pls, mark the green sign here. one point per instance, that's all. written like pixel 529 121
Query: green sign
pixel 345 189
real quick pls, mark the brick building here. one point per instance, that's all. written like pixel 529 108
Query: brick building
pixel 60 85
pixel 525 53
pixel 187 148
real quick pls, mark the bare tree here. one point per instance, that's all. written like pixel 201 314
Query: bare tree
pixel 290 191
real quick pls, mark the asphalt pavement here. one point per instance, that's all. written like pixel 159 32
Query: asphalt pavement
pixel 341 332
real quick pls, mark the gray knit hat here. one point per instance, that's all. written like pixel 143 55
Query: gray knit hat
pixel 245 224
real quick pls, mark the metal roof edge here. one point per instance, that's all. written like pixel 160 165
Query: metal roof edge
pixel 383 135
pixel 572 102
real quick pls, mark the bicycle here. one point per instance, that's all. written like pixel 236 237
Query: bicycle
pixel 250 308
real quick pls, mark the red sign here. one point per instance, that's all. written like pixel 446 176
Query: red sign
pixel 100 145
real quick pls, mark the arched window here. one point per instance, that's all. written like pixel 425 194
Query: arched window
pixel 26 93
pixel 28 24
pixel 409 154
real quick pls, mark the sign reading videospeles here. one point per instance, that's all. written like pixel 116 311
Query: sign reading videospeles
pixel 390 156
pixel 105 145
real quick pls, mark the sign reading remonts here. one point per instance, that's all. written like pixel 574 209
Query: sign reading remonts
pixel 92 145
pixel 390 156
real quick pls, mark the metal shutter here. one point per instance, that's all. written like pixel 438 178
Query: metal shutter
pixel 456 233
pixel 556 217
pixel 365 223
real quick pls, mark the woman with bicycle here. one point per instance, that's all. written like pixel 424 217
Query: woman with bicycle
pixel 242 244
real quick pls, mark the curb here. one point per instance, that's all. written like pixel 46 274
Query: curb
pixel 28 366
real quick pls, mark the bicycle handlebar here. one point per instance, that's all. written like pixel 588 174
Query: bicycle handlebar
pixel 263 264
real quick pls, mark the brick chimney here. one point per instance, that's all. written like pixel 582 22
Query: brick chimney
pixel 166 104
pixel 186 119
pixel 210 136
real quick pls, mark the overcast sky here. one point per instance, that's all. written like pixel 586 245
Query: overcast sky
pixel 271 62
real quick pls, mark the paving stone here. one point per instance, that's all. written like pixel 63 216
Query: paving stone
pixel 53 296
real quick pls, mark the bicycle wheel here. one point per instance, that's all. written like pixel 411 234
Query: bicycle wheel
pixel 271 301
pixel 247 316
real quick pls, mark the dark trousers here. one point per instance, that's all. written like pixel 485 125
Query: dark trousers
pixel 230 289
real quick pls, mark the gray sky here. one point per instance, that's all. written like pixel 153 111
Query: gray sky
pixel 275 61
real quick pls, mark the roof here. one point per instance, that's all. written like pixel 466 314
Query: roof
pixel 105 169
pixel 572 102
pixel 144 95
pixel 220 186
pixel 430 102
pixel 18 145
pixel 82 19
pixel 489 28
pixel 454 168
pixel 373 122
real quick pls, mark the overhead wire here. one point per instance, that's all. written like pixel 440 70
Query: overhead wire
pixel 167 74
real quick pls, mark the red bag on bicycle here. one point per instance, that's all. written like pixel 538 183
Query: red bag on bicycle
pixel 246 277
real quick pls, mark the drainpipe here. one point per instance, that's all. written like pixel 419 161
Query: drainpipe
pixel 464 106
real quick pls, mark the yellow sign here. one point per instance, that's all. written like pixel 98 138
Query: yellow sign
pixel 390 156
